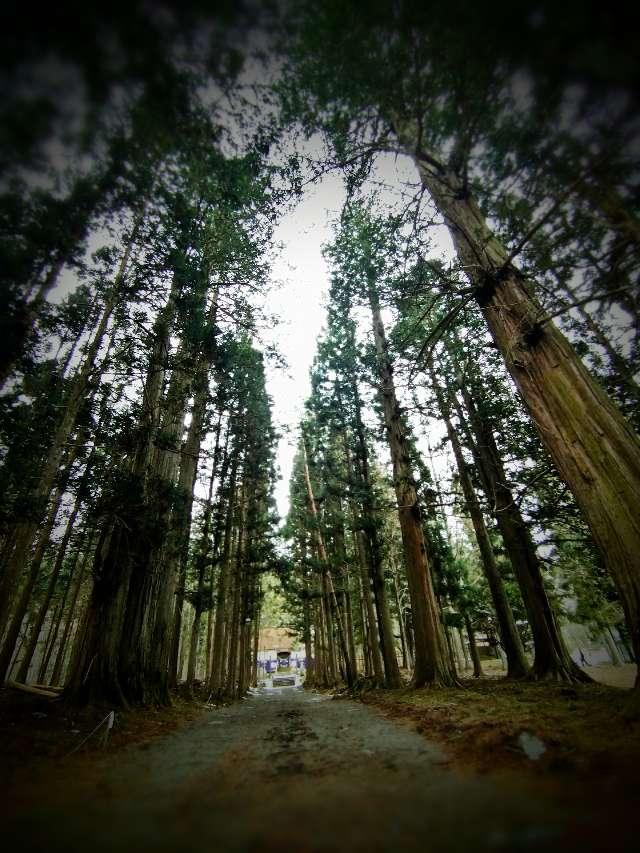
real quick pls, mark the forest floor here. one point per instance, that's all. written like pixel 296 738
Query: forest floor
pixel 294 771
pixel 580 734
pixel 37 731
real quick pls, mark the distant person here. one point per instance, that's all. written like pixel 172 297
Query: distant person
pixel 583 660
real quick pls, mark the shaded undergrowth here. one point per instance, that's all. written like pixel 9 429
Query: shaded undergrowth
pixel 34 730
pixel 582 728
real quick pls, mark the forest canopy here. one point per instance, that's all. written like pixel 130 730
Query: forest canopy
pixel 467 462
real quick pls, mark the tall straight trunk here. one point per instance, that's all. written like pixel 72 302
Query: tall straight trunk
pixel 234 627
pixel 329 628
pixel 517 666
pixel 222 589
pixel 322 654
pixel 403 631
pixel 83 205
pixel 593 447
pixel 366 647
pixel 71 612
pixel 244 649
pixel 473 648
pixel 310 676
pixel 26 532
pixel 58 618
pixel 370 628
pixel 551 656
pixel 430 653
pixel 143 666
pixel 22 602
pixel 374 552
pixel 342 597
pixel 463 648
pixel 192 657
pixel 98 673
pixel 256 642
pixel 209 641
pixel 169 593
pixel 19 645
pixel 324 560
pixel 201 558
pixel 346 607
pixel 453 657
pixel 169 622
pixel 55 624
pixel 38 622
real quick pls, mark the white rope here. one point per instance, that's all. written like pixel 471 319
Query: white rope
pixel 109 719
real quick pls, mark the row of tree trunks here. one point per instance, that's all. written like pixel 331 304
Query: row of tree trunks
pixel 373 551
pixel 25 532
pixel 551 657
pixel 235 499
pixel 327 581
pixel 97 672
pixel 593 447
pixel 517 666
pixel 430 653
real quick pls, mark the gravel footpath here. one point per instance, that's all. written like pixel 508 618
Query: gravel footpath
pixel 289 771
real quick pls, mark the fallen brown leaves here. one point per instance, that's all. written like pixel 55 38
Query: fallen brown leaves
pixel 583 728
pixel 35 731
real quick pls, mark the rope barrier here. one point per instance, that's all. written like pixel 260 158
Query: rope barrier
pixel 109 719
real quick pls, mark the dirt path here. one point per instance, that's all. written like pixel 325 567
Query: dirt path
pixel 292 772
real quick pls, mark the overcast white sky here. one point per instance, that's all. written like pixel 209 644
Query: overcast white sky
pixel 301 282
pixel 299 303
pixel 300 300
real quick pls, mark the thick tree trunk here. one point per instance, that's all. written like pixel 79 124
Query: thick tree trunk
pixel 551 657
pixel 94 676
pixel 430 648
pixel 594 449
pixel 453 656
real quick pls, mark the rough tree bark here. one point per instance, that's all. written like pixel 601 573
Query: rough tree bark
pixel 517 666
pixel 593 447
pixel 551 656
pixel 26 531
pixel 324 560
pixel 430 653
pixel 373 550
